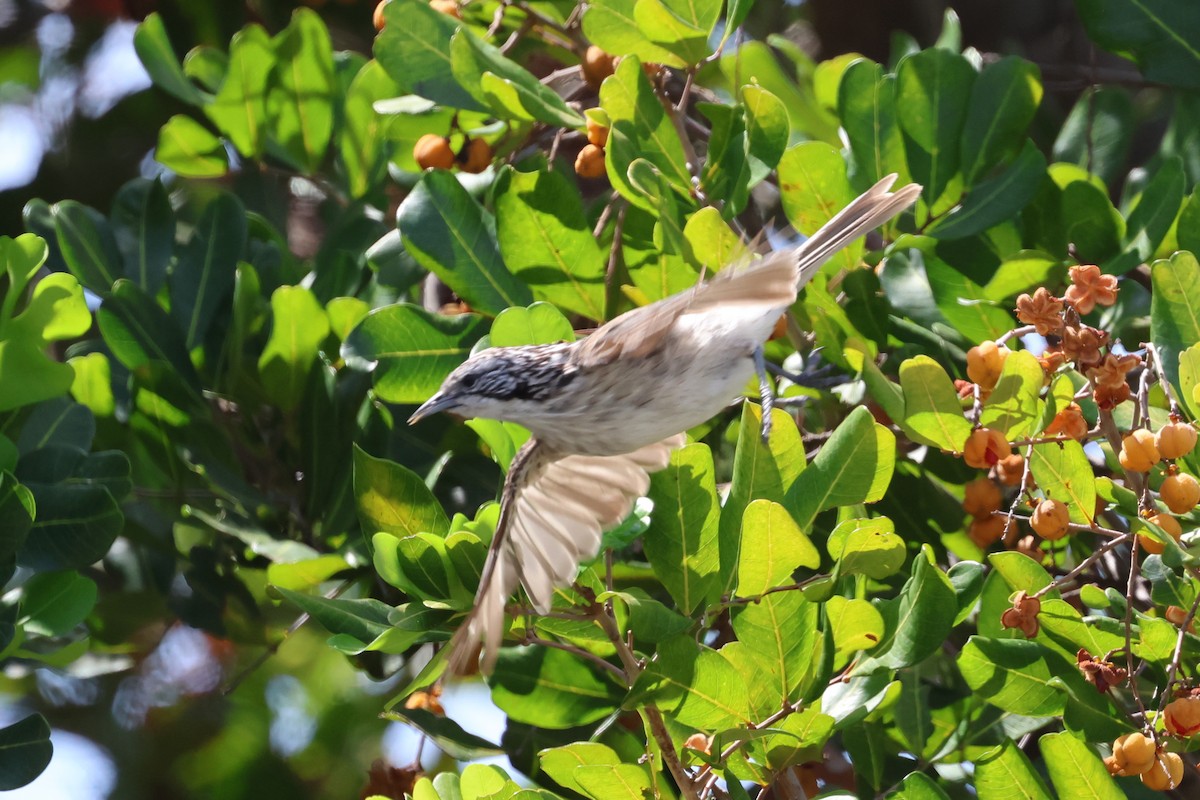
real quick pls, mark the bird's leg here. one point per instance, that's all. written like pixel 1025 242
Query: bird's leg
pixel 765 393
pixel 824 377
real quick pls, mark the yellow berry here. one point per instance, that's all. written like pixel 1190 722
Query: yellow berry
pixel 1168 524
pixel 1133 753
pixel 447 7
pixel 1165 773
pixel 984 363
pixel 1051 520
pixel 597 65
pixel 1181 492
pixel 1138 451
pixel 377 17
pixel 1182 716
pixel 1175 440
pixel 590 162
pixel 597 134
pixel 433 152
pixel 985 447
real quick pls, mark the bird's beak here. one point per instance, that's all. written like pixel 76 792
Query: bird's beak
pixel 439 402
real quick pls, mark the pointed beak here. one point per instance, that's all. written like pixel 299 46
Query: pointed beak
pixel 433 405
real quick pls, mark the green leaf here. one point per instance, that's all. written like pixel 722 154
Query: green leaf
pixel 635 112
pixel 344 314
pixel 856 624
pixel 1098 132
pixel 681 544
pixel 1006 772
pixel 867 108
pixel 393 499
pixel 306 574
pixel 1175 310
pixel 610 25
pixel 188 148
pixel 202 280
pixel 364 620
pixel 854 466
pixel 996 199
pixel 918 786
pixel 144 225
pixel 813 188
pixel 76 523
pixel 298 327
pixel 780 632
pixel 933 414
pixel 1011 674
pixel 140 333
pixel 766 130
pixel 418 564
pixel 551 688
pixel 679 26
pixel 964 303
pixel 540 323
pixel 613 781
pixel 918 621
pixel 300 90
pixel 773 547
pixel 451 235
pixel 87 245
pixel 1004 98
pixel 53 603
pixel 1160 35
pixel 1076 770
pixel 27 376
pixel 560 763
pixel 760 471
pixel 447 734
pixel 153 47
pixel 726 173
pixel 695 685
pixel 25 750
pixel 362 139
pixel 1063 472
pixel 1013 407
pixel 239 110
pixel 867 547
pixel 17 508
pixel 410 350
pixel 546 240
pixel 933 89
pixel 1156 208
pixel 757 61
pixel 471 58
pixel 414 49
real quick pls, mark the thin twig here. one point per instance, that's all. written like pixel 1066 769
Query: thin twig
pixel 1155 361
pixel 1083 565
pixel 532 638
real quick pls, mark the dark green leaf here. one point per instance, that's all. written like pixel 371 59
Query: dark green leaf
pixel 867 107
pixel 365 620
pixel 918 621
pixel 551 688
pixel 74 527
pixel 933 89
pixel 1156 209
pixel 1175 309
pixel 153 47
pixel 87 245
pixel 1003 101
pixel 25 750
pixel 996 199
pixel 144 226
pixel 202 280
pixel 53 603
pixel 140 333
pixel 300 95
pixel 447 734
pixel 1162 36
pixel 1097 133
pixel 414 48
pixel 471 58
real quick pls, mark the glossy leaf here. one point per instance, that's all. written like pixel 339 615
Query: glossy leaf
pixel 996 199
pixel 551 689
pixel 25 750
pixel 239 109
pixel 933 89
pixel 144 227
pixel 1003 101
pixel 1076 770
pixel 1063 472
pixel 1175 309
pixel 540 323
pixel 74 527
pixel 681 543
pixel 867 108
pixel 917 622
pixel 362 140
pixel 203 278
pixel 414 49
pixel 298 327
pixel 363 620
pixel 471 57
pixel 447 734
pixel 300 94
pixel 1159 35
pixel 696 685
pixel 1013 407
pixel 153 47
pixel 813 187
pixel 140 333
pixel 1011 674
pixel 87 245
pixel 188 148
pixel 1156 209
pixel 933 413
pixel 1007 772
pixel 53 603
pixel 766 130
pixel 781 633
pixel 773 547
pixel 393 499
pixel 610 24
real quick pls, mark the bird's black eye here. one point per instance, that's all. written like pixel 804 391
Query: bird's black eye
pixel 468 380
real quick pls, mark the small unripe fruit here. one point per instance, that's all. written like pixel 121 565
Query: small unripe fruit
pixel 985 447
pixel 1165 773
pixel 1168 524
pixel 1175 440
pixel 981 497
pixel 986 531
pixel 590 162
pixel 475 156
pixel 377 17
pixel 984 363
pixel 1182 716
pixel 1138 451
pixel 597 65
pixel 1051 520
pixel 433 152
pixel 1181 492
pixel 1133 753
pixel 597 134
pixel 447 7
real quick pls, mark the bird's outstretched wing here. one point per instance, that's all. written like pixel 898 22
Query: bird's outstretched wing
pixel 767 284
pixel 553 511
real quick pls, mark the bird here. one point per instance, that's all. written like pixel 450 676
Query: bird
pixel 607 410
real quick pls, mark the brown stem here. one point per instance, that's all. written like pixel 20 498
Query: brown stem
pixel 1083 565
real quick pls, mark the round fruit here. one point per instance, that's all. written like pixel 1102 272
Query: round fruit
pixel 1181 492
pixel 590 162
pixel 1168 524
pixel 985 447
pixel 1133 753
pixel 475 156
pixel 984 363
pixel 1165 773
pixel 981 497
pixel 433 152
pixel 597 134
pixel 1182 716
pixel 447 7
pixel 1138 451
pixel 1051 520
pixel 986 531
pixel 1175 440
pixel 597 65
pixel 1010 470
pixel 377 17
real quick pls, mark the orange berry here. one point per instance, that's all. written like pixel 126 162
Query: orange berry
pixel 699 742
pixel 448 7
pixel 597 134
pixel 1181 492
pixel 377 17
pixel 1068 422
pixel 1175 440
pixel 985 447
pixel 1168 524
pixel 1051 520
pixel 1011 469
pixel 475 156
pixel 984 363
pixel 1176 616
pixel 597 65
pixel 986 531
pixel 433 152
pixel 1138 451
pixel 590 162
pixel 981 497
pixel 1182 716
pixel 1165 773
pixel 1133 753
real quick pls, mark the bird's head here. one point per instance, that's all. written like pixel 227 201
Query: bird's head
pixel 501 383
